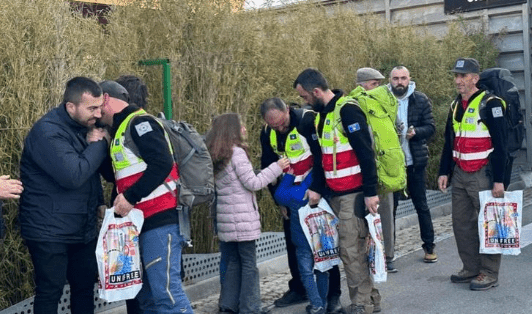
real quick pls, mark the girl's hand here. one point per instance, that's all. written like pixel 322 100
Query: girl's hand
pixel 283 163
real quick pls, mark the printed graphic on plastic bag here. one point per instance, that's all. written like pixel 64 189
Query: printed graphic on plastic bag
pixel 320 226
pixel 499 223
pixel 376 257
pixel 118 256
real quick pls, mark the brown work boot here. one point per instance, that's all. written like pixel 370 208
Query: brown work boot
pixel 463 276
pixel 430 256
pixel 483 282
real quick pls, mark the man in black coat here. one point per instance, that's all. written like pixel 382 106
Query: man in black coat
pixel 62 191
pixel 416 126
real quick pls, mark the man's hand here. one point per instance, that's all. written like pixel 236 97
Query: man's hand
pixel 498 190
pixel 442 183
pixel 284 212
pixel 10 188
pixel 122 206
pixel 97 134
pixel 313 197
pixel 410 132
pixel 372 203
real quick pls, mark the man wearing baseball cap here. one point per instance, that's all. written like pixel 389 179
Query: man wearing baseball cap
pixel 474 154
pixel 146 175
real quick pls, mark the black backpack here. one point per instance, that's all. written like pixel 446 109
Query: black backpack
pixel 499 82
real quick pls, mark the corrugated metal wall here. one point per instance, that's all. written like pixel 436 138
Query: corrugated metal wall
pixel 507 22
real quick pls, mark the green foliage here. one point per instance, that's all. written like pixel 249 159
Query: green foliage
pixel 221 61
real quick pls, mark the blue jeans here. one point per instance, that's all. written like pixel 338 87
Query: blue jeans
pixel 318 288
pixel 240 290
pixel 161 256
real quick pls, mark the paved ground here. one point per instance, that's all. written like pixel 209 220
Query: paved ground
pixel 419 287
pixel 273 286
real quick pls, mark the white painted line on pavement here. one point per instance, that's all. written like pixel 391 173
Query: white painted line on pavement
pixel 526 235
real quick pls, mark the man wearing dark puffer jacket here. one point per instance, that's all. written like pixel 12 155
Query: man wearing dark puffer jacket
pixel 416 126
pixel 62 190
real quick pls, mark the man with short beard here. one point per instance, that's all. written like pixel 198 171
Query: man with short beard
pixel 350 172
pixel 416 126
pixel 62 191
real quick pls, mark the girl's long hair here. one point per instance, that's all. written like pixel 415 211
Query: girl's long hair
pixel 225 133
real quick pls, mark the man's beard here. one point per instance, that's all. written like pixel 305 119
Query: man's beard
pixel 318 105
pixel 399 90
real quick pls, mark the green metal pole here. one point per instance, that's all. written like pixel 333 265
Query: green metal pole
pixel 167 83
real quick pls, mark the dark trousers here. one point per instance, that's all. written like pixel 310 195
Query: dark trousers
pixel 418 193
pixel 295 283
pixel 54 264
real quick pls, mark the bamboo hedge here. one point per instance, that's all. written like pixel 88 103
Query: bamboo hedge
pixel 222 60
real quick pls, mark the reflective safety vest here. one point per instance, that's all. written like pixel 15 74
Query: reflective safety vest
pixel 297 151
pixel 339 161
pixel 472 142
pixel 129 167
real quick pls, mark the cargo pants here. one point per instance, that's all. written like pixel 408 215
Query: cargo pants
pixel 466 206
pixel 353 232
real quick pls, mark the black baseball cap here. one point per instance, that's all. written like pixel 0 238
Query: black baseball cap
pixel 115 90
pixel 466 65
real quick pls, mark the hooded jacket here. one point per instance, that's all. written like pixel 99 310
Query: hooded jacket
pixel 419 115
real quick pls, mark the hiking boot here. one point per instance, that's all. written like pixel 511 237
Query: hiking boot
pixel 483 282
pixel 290 298
pixel 360 309
pixel 430 256
pixel 225 311
pixel 390 267
pixel 376 300
pixel 463 276
pixel 314 310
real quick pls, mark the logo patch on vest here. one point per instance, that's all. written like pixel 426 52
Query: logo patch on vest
pixel 353 127
pixel 327 136
pixel 314 136
pixel 471 110
pixel 297 146
pixel 119 157
pixel 117 142
pixel 327 122
pixel 293 136
pixel 143 128
pixel 497 112
pixel 470 120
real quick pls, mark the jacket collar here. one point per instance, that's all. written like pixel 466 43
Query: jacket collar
pixel 65 117
pixel 329 107
pixel 119 117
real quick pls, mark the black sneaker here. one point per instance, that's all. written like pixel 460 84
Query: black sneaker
pixel 334 305
pixel 290 298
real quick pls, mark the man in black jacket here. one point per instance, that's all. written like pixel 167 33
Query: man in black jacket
pixel 58 207
pixel 475 153
pixel 416 125
pixel 344 136
pixel 146 176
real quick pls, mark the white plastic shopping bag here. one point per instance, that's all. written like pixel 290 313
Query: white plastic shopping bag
pixel 320 226
pixel 118 256
pixel 376 257
pixel 499 223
